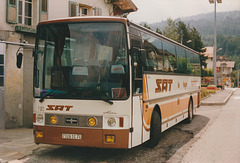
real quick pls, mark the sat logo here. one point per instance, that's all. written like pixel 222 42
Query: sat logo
pixel 163 85
pixel 59 107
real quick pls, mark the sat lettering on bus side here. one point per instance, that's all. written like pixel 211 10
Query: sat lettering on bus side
pixel 163 85
pixel 59 107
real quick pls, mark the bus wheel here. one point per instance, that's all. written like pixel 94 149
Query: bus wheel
pixel 190 112
pixel 155 130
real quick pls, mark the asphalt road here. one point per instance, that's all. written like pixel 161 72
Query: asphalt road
pixel 219 141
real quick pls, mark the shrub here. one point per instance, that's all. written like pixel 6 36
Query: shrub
pixel 212 91
pixel 204 93
pixel 212 86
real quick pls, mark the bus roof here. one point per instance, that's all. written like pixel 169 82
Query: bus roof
pixel 85 18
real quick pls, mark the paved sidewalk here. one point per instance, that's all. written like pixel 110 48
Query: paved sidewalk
pixel 220 98
pixel 16 144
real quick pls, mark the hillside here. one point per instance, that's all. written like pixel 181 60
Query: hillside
pixel 228 29
pixel 228 23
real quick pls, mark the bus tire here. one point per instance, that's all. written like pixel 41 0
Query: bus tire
pixel 190 112
pixel 155 130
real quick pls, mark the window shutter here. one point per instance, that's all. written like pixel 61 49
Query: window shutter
pixel 73 8
pixel 12 11
pixel 43 10
pixel 97 11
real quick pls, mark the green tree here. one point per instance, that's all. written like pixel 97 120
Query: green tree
pixel 147 26
pixel 196 40
pixel 184 34
pixel 159 31
pixel 171 30
pixel 198 46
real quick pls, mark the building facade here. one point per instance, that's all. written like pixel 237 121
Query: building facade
pixel 17 34
pixel 224 66
pixel 209 60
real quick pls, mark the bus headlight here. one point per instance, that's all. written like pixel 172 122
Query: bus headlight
pixel 53 119
pixel 111 122
pixel 39 118
pixel 92 121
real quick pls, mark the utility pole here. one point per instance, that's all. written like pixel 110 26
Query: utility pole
pixel 215 39
pixel 238 77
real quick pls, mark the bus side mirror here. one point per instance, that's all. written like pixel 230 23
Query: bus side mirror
pixel 19 60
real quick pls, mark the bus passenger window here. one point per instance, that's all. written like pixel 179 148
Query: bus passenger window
pixel 151 61
pixel 181 60
pixel 169 57
pixel 154 51
pixel 190 61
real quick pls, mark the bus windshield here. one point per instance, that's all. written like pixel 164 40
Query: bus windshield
pixel 81 61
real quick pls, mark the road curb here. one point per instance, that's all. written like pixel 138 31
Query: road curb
pixel 218 103
pixel 226 100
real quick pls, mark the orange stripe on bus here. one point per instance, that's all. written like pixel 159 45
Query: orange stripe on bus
pixel 167 109
pixel 144 88
pixel 147 115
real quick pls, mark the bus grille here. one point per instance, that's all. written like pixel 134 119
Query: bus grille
pixel 73 121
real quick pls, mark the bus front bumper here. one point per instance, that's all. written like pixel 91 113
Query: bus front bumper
pixel 100 138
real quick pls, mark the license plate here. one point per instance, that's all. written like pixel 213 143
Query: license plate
pixel 72 136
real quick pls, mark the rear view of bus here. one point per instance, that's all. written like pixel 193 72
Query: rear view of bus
pixel 82 83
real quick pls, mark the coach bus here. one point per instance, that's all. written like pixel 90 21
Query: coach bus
pixel 106 82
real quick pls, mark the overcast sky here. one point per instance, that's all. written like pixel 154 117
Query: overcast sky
pixel 157 10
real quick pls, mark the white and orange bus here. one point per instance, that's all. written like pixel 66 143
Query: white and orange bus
pixel 106 82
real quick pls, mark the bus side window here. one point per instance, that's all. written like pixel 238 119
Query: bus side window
pixel 190 61
pixel 181 61
pixel 169 57
pixel 154 53
pixel 196 64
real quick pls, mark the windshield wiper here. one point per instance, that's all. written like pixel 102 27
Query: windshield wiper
pixel 108 101
pixel 48 94
pixel 104 92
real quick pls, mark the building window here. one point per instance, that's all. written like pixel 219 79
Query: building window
pixel 25 12
pixel 1 70
pixel 12 2
pixel 11 11
pixel 83 11
pixel 76 9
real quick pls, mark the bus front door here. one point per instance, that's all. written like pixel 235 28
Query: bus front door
pixel 137 137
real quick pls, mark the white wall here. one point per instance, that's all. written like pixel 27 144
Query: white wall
pixel 209 63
